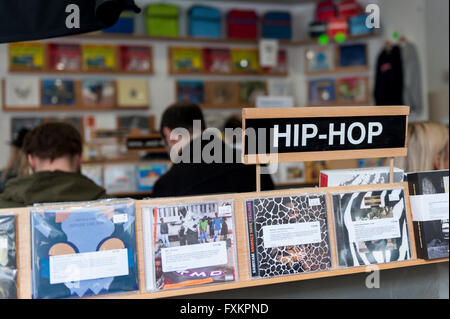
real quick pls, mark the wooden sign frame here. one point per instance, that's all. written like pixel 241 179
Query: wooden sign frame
pixel 321 112
pixel 23 243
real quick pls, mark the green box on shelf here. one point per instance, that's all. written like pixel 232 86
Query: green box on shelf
pixel 162 20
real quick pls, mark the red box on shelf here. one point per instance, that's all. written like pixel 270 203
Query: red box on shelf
pixel 242 24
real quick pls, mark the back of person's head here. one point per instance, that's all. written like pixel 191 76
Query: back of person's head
pixel 427 147
pixel 53 141
pixel 182 115
pixel 233 122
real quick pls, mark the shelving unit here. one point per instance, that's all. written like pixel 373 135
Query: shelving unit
pixel 70 108
pixel 108 36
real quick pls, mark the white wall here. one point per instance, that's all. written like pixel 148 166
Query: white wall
pixel 437 43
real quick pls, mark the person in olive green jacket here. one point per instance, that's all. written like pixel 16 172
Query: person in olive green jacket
pixel 54 153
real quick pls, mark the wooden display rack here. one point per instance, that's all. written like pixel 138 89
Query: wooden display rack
pixel 244 279
pixel 241 243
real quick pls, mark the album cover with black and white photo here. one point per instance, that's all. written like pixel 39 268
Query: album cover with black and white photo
pixel 429 195
pixel 371 227
pixel 189 245
pixel 288 235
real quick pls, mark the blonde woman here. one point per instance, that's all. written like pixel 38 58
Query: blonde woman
pixel 427 147
pixel 17 163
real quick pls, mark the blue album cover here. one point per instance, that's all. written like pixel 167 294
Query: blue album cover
pixel 321 91
pixel 58 92
pixel 148 174
pixel 191 91
pixel 352 55
pixel 84 250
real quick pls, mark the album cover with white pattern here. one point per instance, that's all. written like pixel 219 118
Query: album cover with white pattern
pixel 189 244
pixel 371 227
pixel 288 235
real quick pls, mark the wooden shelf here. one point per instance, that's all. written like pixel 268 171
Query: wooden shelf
pixel 271 281
pixel 70 108
pixel 108 36
pixel 135 160
pixel 339 70
pixel 281 74
pixel 83 72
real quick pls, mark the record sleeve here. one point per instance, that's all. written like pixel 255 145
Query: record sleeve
pixel 321 91
pixel 371 227
pixel 319 59
pixel 27 56
pixel 98 93
pixel 353 90
pixel 83 249
pixel 132 93
pixel 22 92
pixel 7 241
pixel 290 173
pixel 58 92
pixel 288 235
pixel 245 61
pixel 135 123
pixel 359 176
pixel 217 60
pixel 8 256
pixel 250 90
pixel 64 56
pixel 352 55
pixel 99 58
pixel 222 93
pixel 430 209
pixel 94 173
pixel 135 58
pixel 119 178
pixel 18 123
pixel 189 245
pixel 281 66
pixel 191 91
pixel 148 174
pixel 186 60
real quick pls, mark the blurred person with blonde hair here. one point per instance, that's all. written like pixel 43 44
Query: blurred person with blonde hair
pixel 17 164
pixel 427 147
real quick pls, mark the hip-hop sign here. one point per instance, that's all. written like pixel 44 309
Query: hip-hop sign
pixel 324 133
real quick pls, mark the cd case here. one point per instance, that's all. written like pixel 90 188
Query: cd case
pixel 8 265
pixel 83 249
pixel 371 227
pixel 189 245
pixel 288 235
